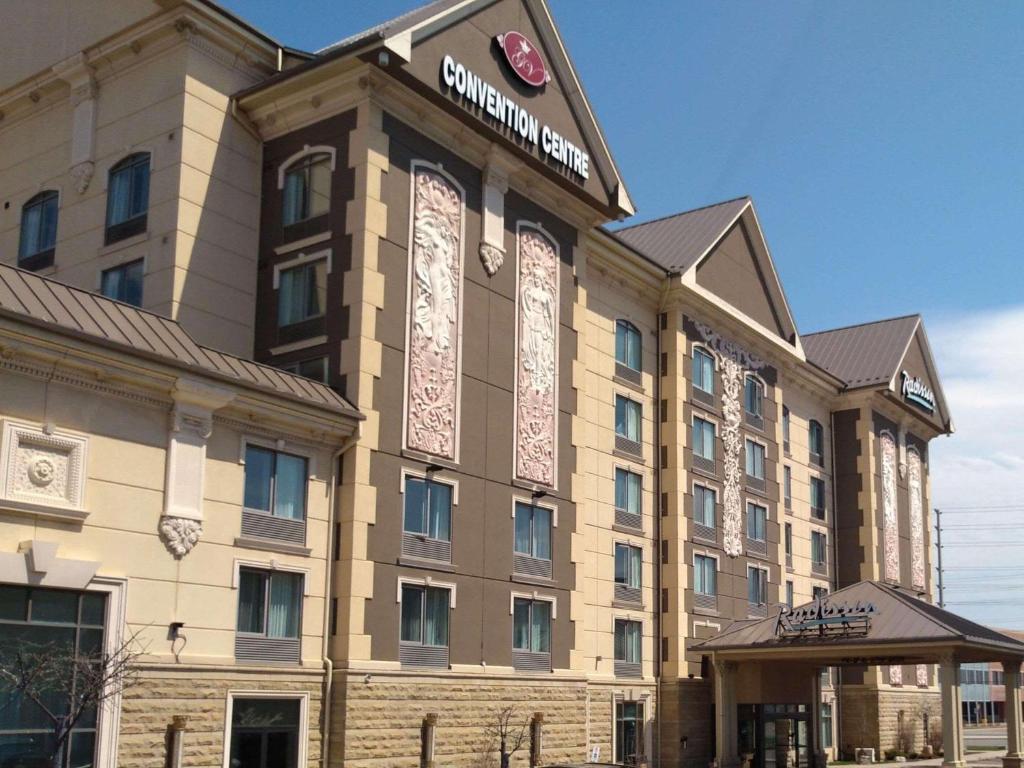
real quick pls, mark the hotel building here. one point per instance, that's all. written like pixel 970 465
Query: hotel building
pixel 376 430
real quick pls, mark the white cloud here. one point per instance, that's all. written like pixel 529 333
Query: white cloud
pixel 981 362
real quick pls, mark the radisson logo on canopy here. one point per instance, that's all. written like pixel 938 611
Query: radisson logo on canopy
pixel 474 90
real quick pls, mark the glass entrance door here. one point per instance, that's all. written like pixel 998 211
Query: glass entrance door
pixel 629 732
pixel 777 735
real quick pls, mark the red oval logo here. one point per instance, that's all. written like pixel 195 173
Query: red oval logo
pixel 524 58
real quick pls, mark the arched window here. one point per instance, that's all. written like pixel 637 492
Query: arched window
pixel 38 231
pixel 627 345
pixel 307 188
pixel 816 443
pixel 128 197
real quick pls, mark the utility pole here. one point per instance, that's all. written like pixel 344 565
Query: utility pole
pixel 938 542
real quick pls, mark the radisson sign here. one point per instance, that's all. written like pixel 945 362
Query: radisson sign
pixel 476 93
pixel 917 392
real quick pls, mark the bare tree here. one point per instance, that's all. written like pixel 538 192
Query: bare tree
pixel 63 684
pixel 509 736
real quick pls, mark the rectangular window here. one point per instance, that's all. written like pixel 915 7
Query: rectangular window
pixel 819 592
pixel 705 575
pixel 704 439
pixel 703 371
pixel 38 231
pixel 123 283
pixel 789 543
pixel 816 443
pixel 787 486
pixel 628 503
pixel 533 531
pixel 628 641
pixel 704 500
pixel 428 509
pixel 307 188
pixel 265 732
pixel 818 549
pixel 818 497
pixel 757 586
pixel 755 460
pixel 627 345
pixel 275 483
pixel 628 565
pixel 757 521
pixel 785 429
pixel 302 292
pixel 269 603
pixel 425 615
pixel 753 395
pixel 627 418
pixel 58 634
pixel 315 368
pixel 531 625
pixel 789 594
pixel 127 198
pixel 629 733
pixel 826 725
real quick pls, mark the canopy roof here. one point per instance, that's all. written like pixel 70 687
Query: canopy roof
pixel 867 622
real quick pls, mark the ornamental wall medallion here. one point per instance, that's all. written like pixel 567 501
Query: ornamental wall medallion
pixel 42 468
pixel 917 567
pixel 536 358
pixel 890 519
pixel 180 534
pixel 435 288
pixel 734 362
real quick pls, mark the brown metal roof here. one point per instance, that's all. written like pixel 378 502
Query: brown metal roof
pixel 676 242
pixel 393 25
pixel 26 295
pixel 900 618
pixel 862 355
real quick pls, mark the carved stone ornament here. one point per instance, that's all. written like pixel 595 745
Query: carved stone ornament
pixel 180 534
pixel 732 443
pixel 432 357
pixel 82 175
pixel 492 257
pixel 536 358
pixel 890 519
pixel 917 568
pixel 41 468
pixel 895 674
pixel 726 348
pixel 922 675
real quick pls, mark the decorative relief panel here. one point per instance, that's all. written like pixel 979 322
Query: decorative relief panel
pixel 43 468
pixel 922 675
pixel 895 674
pixel 734 361
pixel 536 357
pixel 917 568
pixel 890 519
pixel 435 290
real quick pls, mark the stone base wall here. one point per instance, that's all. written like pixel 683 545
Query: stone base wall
pixel 889 719
pixel 687 724
pixel 149 706
pixel 378 722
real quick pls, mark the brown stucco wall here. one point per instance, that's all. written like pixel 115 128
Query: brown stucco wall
pixel 848 485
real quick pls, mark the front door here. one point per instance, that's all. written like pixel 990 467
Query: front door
pixel 629 732
pixel 775 735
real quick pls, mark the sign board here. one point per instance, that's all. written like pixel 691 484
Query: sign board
pixel 524 58
pixel 825 618
pixel 915 391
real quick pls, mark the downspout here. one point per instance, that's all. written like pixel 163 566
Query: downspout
pixel 838 718
pixel 325 705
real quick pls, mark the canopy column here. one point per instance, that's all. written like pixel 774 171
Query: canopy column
pixel 952 725
pixel 726 730
pixel 1014 732
pixel 817 751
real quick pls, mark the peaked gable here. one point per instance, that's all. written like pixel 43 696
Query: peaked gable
pixel 916 384
pixel 456 54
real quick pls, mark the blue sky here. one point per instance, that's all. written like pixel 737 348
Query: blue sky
pixel 883 144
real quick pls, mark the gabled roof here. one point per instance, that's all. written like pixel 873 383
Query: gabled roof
pixel 49 303
pixel 677 242
pixel 862 355
pixel 899 619
pixel 393 26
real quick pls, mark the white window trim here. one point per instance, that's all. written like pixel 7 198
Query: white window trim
pixel 307 149
pixel 764 446
pixel 303 258
pixel 529 500
pixel 639 619
pixel 694 346
pixel 693 562
pixel 708 487
pixel 273 565
pixel 533 596
pixel 425 581
pixel 301 696
pixel 763 503
pixel 108 726
pixel 281 446
pixel 759 567
pixel 435 477
pixel 713 422
pixel 645 700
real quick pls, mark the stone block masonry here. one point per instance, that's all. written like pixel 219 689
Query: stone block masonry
pixel 874 718
pixel 149 706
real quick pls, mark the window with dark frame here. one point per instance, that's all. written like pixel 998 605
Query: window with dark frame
pixel 785 428
pixel 274 505
pixel 424 632
pixel 755 460
pixel 302 293
pixel 757 586
pixel 703 371
pixel 265 732
pixel 703 443
pixel 819 551
pixel 757 522
pixel 705 575
pixel 628 345
pixel 67 629
pixel 531 634
pixel 124 282
pixel 315 368
pixel 628 573
pixel 127 198
pixel 789 594
pixel 787 486
pixel 533 531
pixel 818 498
pixel 753 396
pixel 307 189
pixel 269 615
pixel 38 237
pixel 629 733
pixel 628 641
pixel 628 499
pixel 427 519
pixel 816 443
pixel 789 544
pixel 704 501
pixel 628 415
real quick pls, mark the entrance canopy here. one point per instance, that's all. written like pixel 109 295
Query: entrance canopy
pixel 865 623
